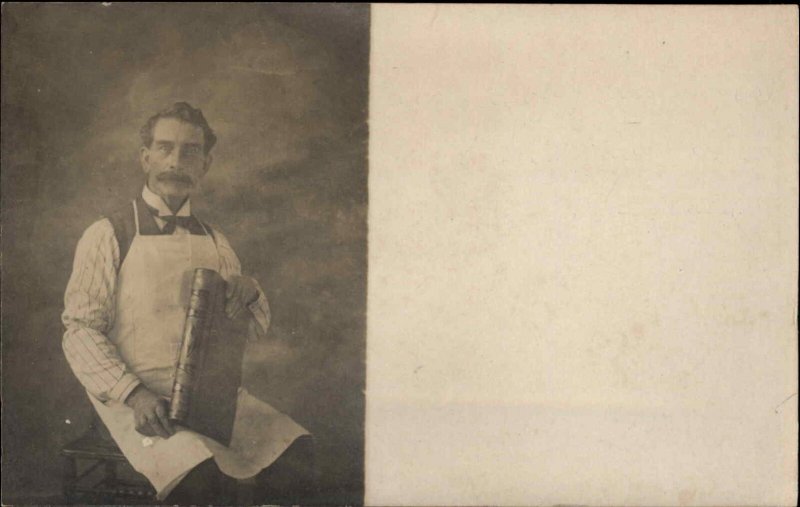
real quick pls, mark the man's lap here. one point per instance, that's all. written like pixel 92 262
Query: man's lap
pixel 291 479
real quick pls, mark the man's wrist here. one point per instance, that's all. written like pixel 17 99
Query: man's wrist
pixel 131 395
pixel 124 387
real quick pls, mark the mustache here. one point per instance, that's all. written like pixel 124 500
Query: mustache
pixel 180 178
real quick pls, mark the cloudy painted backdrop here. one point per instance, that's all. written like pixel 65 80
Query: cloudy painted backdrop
pixel 285 88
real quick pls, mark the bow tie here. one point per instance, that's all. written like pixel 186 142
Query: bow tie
pixel 190 223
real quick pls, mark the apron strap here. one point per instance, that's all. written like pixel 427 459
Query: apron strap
pixel 136 215
pixel 209 231
pixel 125 229
pixel 209 234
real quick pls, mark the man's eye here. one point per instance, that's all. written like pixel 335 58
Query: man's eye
pixel 164 148
pixel 192 150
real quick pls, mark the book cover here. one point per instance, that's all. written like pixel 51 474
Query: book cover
pixel 208 372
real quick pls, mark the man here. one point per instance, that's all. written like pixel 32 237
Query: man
pixel 124 309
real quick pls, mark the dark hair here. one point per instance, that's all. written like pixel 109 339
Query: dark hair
pixel 184 112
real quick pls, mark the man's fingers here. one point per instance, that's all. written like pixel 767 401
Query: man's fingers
pixel 231 297
pixel 234 311
pixel 143 427
pixel 237 293
pixel 234 300
pixel 159 430
pixel 163 417
pixel 235 306
pixel 141 424
pixel 146 431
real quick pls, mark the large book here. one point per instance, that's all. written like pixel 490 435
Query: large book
pixel 209 368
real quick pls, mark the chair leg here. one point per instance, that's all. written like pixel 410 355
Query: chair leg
pixel 69 478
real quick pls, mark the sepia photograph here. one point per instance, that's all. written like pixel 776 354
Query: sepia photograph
pixel 184 253
pixel 399 254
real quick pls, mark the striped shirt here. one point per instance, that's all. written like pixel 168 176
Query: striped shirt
pixel 89 306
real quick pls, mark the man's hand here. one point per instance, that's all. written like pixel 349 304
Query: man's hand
pixel 150 413
pixel 242 290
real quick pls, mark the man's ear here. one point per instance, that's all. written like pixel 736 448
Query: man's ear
pixel 144 158
pixel 207 165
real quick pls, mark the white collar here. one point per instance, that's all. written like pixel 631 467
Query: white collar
pixel 158 203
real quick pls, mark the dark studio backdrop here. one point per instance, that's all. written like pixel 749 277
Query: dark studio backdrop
pixel 285 87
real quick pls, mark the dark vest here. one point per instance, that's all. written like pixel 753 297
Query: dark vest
pixel 124 225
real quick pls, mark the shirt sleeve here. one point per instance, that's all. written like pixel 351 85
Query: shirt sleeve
pixel 89 315
pixel 231 266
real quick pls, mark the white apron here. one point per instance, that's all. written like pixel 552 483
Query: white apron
pixel 152 297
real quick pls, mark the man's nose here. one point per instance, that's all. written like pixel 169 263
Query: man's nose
pixel 175 159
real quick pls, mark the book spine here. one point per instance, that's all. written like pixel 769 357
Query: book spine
pixel 199 317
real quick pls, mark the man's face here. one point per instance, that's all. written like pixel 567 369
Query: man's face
pixel 175 161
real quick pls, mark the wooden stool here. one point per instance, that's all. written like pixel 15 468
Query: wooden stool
pixel 98 480
pixel 92 467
